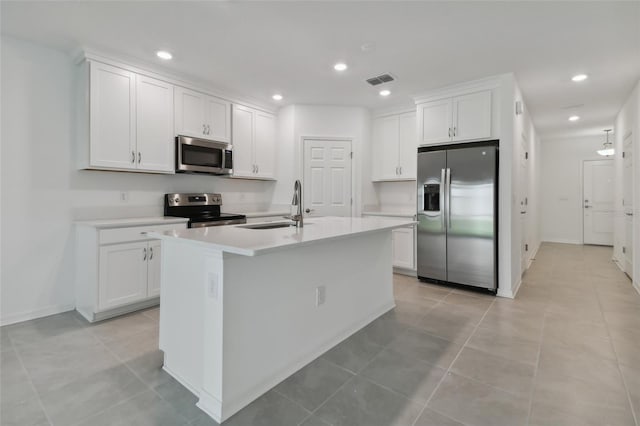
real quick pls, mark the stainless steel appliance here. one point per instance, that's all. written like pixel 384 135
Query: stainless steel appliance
pixel 203 156
pixel 201 209
pixel 457 214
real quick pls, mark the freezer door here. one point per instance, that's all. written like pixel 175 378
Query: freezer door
pixel 432 237
pixel 471 230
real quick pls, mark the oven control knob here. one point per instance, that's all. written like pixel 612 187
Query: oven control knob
pixel 176 200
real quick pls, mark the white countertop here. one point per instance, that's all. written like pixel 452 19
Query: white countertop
pixel 132 221
pixel 252 242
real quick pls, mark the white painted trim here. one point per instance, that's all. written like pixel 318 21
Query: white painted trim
pixel 139 67
pixel 636 285
pixel 560 241
pixel 508 293
pixel 532 256
pixel 349 139
pixel 405 271
pixel 465 88
pixel 38 313
pixel 398 109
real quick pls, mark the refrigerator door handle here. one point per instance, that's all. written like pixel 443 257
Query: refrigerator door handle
pixel 442 200
pixel 448 207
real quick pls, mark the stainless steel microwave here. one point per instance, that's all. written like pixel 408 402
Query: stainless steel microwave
pixel 202 156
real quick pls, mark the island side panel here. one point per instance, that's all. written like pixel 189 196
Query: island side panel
pixel 186 294
pixel 272 326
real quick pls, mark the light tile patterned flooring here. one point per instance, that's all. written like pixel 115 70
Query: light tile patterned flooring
pixel 565 352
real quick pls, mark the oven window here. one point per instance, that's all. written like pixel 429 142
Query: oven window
pixel 200 156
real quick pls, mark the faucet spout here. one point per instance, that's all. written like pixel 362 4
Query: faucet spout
pixel 297 201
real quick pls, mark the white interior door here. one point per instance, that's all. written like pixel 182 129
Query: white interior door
pixel 327 177
pixel 524 203
pixel 598 202
pixel 627 202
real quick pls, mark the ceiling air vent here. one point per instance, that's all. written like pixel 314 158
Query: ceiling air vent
pixel 384 78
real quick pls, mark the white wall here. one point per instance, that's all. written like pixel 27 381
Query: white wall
pixel 43 192
pixel 628 122
pixel 561 186
pixel 299 121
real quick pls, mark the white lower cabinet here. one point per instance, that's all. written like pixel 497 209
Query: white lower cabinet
pixel 403 245
pixel 118 269
pixel 123 274
pixel 403 253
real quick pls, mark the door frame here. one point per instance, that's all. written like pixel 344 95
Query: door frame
pixel 329 139
pixel 583 195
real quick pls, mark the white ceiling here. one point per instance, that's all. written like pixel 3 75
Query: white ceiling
pixel 260 48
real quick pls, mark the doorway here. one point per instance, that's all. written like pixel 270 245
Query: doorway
pixel 598 197
pixel 627 203
pixel 327 177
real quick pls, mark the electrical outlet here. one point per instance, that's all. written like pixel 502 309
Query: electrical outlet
pixel 321 295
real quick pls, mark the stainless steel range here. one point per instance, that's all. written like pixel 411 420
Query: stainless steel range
pixel 201 209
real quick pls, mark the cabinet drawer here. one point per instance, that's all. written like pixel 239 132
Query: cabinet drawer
pixel 134 233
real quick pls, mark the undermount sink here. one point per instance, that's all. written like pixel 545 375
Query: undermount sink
pixel 269 225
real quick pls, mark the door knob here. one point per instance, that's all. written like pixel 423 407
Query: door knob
pixel 309 210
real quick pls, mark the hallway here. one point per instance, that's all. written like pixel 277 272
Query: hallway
pixel 565 352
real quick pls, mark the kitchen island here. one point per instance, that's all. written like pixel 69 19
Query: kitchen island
pixel 244 308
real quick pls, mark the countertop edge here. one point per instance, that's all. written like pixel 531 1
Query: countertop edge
pixel 130 222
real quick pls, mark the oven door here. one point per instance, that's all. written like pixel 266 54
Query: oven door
pixel 202 156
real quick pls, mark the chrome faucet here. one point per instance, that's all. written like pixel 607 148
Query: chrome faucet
pixel 297 201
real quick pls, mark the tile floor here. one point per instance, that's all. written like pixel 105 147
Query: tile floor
pixel 566 351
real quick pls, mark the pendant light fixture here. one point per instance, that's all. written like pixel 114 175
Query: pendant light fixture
pixel 607 147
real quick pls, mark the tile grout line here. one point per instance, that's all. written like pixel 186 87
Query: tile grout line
pixel 624 381
pixel 383 347
pixel 148 388
pixel 447 372
pixel 33 387
pixel 535 371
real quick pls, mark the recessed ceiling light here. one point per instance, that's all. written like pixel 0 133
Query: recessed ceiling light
pixel 385 92
pixel 579 77
pixel 163 54
pixel 277 97
pixel 340 66
pixel 574 118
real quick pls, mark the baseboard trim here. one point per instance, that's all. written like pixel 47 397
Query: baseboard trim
pixel 38 313
pixel 561 241
pixel 636 285
pixel 508 293
pixel 404 271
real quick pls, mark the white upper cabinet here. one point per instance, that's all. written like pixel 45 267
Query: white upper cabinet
pixel 394 147
pixel 243 164
pixel 154 129
pixel 265 137
pixel 436 121
pixel 472 116
pixel 254 138
pixel 112 117
pixel 130 121
pixel 202 116
pixel 460 118
pixel 408 149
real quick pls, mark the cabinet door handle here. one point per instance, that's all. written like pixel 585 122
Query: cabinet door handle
pixel 133 157
pixel 257 168
pixel 144 251
pixel 400 170
pixel 139 157
pixel 150 253
pixel 454 131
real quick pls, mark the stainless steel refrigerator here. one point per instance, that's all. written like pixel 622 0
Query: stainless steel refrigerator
pixel 457 214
